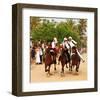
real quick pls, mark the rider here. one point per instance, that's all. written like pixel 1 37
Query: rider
pixel 54 42
pixel 72 43
pixel 54 45
pixel 66 46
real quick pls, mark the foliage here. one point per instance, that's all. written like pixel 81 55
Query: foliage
pixel 46 29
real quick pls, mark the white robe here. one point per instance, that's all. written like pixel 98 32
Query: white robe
pixel 37 56
pixel 66 44
pixel 53 44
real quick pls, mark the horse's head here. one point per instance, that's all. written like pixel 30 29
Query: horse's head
pixel 63 52
pixel 47 51
pixel 50 51
pixel 74 49
pixel 53 52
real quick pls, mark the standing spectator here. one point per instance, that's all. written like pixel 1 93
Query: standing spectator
pixel 37 55
pixel 33 52
pixel 31 43
pixel 41 54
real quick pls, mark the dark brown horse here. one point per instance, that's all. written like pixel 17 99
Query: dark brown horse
pixel 64 58
pixel 75 59
pixel 50 58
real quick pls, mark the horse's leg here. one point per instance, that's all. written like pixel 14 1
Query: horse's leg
pixel 54 61
pixel 49 70
pixel 70 66
pixel 66 65
pixel 55 67
pixel 46 68
pixel 62 69
pixel 68 60
pixel 59 59
pixel 77 67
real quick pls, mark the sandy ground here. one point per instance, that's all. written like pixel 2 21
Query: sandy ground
pixel 38 73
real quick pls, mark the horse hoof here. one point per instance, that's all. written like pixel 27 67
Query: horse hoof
pixel 66 66
pixel 46 70
pixel 58 63
pixel 70 70
pixel 55 69
pixel 50 74
pixel 76 70
pixel 62 74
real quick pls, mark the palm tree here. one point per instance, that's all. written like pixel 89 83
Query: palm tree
pixel 82 26
pixel 70 24
pixel 82 31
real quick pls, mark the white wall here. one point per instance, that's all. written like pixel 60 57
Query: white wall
pixel 5 50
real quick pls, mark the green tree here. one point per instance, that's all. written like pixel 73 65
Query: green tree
pixel 34 22
pixel 47 29
pixel 44 31
pixel 72 28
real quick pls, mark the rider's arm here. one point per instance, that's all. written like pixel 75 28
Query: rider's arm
pixel 74 42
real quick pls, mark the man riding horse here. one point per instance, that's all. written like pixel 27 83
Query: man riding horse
pixel 69 43
pixel 70 54
pixel 50 56
pixel 64 57
pixel 67 47
pixel 73 43
pixel 66 54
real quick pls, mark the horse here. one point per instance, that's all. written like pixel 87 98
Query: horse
pixel 50 58
pixel 64 58
pixel 75 59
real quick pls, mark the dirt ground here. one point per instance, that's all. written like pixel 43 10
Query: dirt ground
pixel 38 73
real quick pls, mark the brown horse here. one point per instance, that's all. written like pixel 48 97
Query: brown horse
pixel 50 58
pixel 75 59
pixel 64 58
